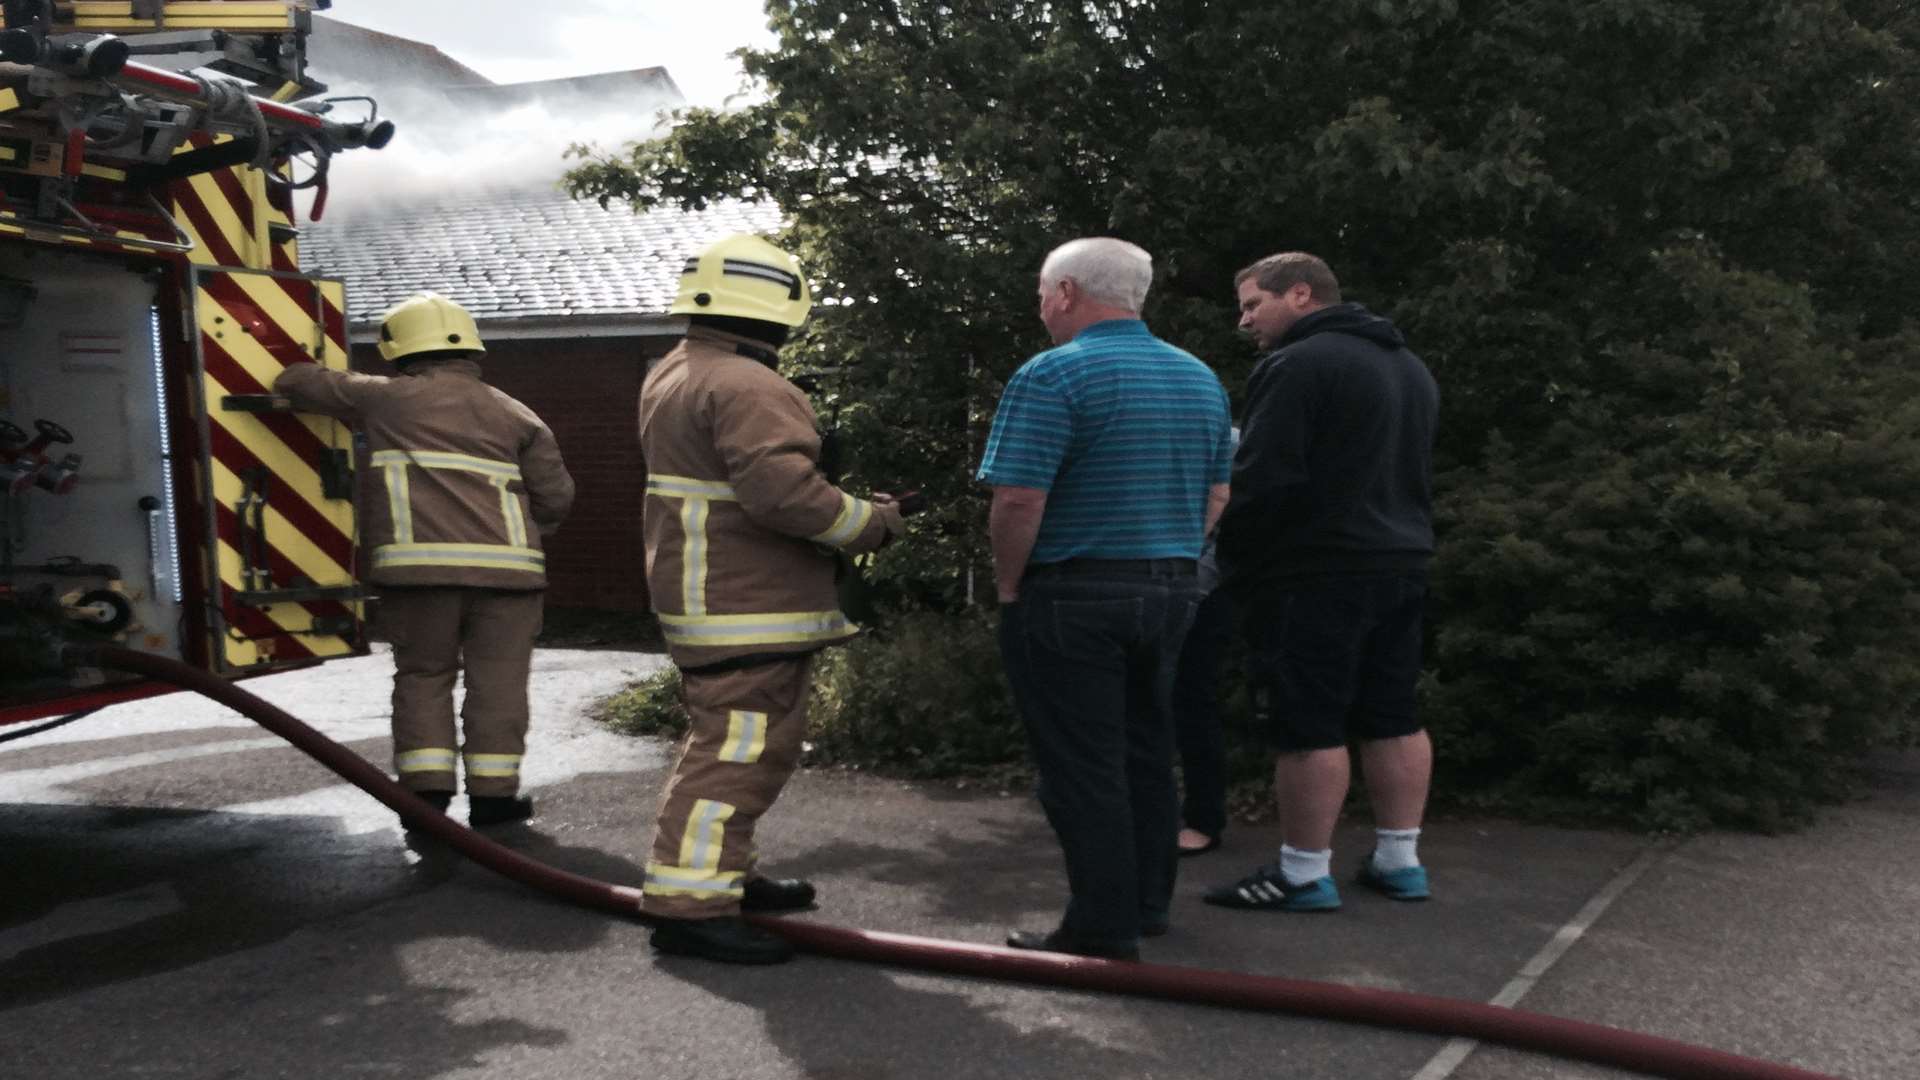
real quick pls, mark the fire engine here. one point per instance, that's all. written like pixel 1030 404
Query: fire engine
pixel 153 493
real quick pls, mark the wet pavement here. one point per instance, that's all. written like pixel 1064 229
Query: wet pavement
pixel 185 897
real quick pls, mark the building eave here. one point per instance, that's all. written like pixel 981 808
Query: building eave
pixel 556 329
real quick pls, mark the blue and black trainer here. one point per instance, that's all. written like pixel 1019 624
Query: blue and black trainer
pixel 1266 889
pixel 1406 883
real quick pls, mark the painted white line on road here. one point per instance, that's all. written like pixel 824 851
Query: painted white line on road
pixel 100 915
pixel 1450 1057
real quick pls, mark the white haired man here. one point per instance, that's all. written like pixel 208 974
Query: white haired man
pixel 1109 460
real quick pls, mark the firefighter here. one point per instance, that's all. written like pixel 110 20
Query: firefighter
pixel 469 481
pixel 742 531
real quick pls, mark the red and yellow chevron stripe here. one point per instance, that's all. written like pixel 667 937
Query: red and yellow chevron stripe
pixel 252 323
pixel 231 214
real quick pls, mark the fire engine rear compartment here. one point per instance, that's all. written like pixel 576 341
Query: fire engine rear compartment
pixel 80 356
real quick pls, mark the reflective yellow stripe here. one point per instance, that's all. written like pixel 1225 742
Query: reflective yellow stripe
pixel 400 504
pixel 424 761
pixel 510 513
pixel 705 835
pixel 693 556
pixel 771 628
pixel 663 880
pixel 444 459
pixel 687 487
pixel 9 101
pixel 854 515
pixel 501 474
pixel 493 764
pixel 746 737
pixel 500 556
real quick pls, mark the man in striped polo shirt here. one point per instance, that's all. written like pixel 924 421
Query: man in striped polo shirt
pixel 1109 461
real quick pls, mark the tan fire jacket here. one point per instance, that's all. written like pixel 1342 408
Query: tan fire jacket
pixel 740 524
pixel 471 478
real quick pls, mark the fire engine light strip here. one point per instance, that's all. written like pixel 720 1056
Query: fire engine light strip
pixel 166 531
pixel 1575 1039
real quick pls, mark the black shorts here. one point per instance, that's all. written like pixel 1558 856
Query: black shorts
pixel 1336 657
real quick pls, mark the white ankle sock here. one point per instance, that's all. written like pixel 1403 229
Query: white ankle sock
pixel 1300 867
pixel 1395 849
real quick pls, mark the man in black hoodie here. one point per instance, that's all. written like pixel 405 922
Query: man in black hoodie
pixel 1325 545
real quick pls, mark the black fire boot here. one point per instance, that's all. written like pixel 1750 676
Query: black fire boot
pixel 439 800
pixel 412 835
pixel 728 939
pixel 485 810
pixel 776 894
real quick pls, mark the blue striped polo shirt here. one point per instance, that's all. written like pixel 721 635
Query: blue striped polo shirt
pixel 1125 434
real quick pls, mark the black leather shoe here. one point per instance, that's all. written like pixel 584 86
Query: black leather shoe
pixel 485 810
pixel 728 939
pixel 1061 942
pixel 776 894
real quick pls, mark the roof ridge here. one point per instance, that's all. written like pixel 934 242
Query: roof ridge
pixel 414 43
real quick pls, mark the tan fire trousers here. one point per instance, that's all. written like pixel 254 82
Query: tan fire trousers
pixel 743 745
pixel 438 633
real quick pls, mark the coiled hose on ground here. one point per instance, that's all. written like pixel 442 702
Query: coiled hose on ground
pixel 1385 1008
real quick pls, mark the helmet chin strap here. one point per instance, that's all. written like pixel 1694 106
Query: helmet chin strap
pixel 755 352
pixel 771 334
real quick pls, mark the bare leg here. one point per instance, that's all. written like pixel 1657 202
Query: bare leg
pixel 1309 787
pixel 1399 771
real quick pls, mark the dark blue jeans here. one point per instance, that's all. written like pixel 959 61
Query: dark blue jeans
pixel 1090 650
pixel 1196 716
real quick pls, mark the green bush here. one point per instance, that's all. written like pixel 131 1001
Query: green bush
pixel 923 698
pixel 1692 599
pixel 651 706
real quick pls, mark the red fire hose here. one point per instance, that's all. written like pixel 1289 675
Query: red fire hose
pixel 1386 1008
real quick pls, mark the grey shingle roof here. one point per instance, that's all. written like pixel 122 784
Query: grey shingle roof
pixel 512 248
pixel 643 87
pixel 522 255
pixel 346 56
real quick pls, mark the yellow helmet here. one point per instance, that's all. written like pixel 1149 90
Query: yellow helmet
pixel 747 278
pixel 427 322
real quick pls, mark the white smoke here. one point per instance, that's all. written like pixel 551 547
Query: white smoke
pixel 448 142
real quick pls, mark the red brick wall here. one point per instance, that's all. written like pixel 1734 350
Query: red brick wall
pixel 587 390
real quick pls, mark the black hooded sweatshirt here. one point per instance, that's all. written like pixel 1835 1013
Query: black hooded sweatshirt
pixel 1334 474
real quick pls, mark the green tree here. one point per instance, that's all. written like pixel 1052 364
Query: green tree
pixel 1657 252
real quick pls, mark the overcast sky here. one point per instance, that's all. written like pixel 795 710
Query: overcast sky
pixel 518 40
